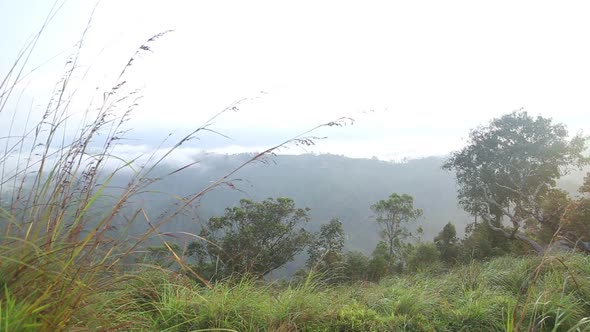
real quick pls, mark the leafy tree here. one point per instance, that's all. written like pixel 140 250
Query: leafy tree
pixel 254 238
pixel 325 250
pixel 565 217
pixel 482 242
pixel 576 224
pixel 446 243
pixel 380 262
pixel 509 165
pixel 423 257
pixel 553 205
pixel 582 215
pixel 356 266
pixel 393 215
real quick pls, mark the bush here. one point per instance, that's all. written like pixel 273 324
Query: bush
pixel 424 257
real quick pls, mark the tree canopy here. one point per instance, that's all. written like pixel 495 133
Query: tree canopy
pixel 510 164
pixel 254 238
pixel 393 214
pixel 327 245
pixel 326 251
pixel 446 243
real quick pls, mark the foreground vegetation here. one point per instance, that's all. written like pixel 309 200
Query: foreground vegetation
pixel 504 294
pixel 69 262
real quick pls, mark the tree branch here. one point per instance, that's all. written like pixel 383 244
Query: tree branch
pixel 539 249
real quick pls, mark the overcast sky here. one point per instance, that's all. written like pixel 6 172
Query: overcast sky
pixel 429 70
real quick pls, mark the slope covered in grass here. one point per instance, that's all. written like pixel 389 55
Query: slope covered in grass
pixel 505 294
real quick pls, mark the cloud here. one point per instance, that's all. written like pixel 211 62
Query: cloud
pixel 435 69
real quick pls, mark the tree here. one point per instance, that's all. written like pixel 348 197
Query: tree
pixel 325 250
pixel 482 242
pixel 380 262
pixel 446 244
pixel 565 217
pixel 509 165
pixel 424 257
pixel 356 266
pixel 553 205
pixel 253 238
pixel 393 215
pixel 576 225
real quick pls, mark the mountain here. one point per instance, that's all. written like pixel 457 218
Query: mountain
pixel 330 185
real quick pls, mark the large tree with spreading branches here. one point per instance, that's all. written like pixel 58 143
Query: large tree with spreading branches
pixel 254 238
pixel 510 165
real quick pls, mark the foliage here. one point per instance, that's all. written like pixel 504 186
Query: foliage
pixel 16 315
pixel 566 217
pixel 380 263
pixel 325 251
pixel 482 242
pixel 254 238
pixel 447 244
pixel 510 164
pixel 356 266
pixel 393 215
pixel 524 294
pixel 576 223
pixel 424 257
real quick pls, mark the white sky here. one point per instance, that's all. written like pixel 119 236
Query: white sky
pixel 430 70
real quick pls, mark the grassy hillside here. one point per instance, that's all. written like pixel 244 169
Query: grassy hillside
pixel 505 294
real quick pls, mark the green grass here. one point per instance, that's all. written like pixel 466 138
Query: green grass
pixel 499 296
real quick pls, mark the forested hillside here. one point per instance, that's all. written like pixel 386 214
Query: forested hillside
pixel 330 185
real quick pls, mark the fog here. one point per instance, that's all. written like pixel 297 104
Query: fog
pixel 415 76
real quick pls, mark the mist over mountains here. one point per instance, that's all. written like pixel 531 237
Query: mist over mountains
pixel 330 185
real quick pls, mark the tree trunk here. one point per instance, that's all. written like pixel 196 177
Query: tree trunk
pixel 539 249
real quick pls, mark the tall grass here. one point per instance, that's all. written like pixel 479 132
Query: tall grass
pixel 54 256
pixel 166 301
pixel 61 256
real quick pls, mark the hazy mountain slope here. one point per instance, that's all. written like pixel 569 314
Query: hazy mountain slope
pixel 332 186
